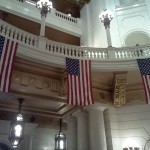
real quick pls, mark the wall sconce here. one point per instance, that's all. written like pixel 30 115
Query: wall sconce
pixel 17 127
pixel 60 140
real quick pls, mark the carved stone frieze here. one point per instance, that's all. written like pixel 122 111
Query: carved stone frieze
pixel 137 95
pixel 35 81
pixel 119 95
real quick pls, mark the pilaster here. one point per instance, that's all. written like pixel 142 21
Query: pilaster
pixel 82 130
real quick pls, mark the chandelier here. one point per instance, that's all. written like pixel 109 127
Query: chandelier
pixel 17 127
pixel 106 17
pixel 44 6
pixel 60 140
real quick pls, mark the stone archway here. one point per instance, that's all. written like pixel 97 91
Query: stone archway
pixel 137 37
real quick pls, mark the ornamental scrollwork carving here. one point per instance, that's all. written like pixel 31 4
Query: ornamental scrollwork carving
pixel 119 95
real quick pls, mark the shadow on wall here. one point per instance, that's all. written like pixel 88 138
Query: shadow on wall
pixel 4 147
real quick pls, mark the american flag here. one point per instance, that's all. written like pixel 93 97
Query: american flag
pixel 7 53
pixel 144 65
pixel 79 82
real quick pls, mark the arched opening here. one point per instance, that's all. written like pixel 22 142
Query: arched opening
pixel 137 38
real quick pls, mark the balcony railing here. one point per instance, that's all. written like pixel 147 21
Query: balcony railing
pixel 28 10
pixel 52 48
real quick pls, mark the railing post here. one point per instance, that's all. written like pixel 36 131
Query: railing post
pixel 111 53
pixel 53 11
pixel 42 43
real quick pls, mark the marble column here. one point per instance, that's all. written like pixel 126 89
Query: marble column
pixel 28 136
pixel 108 37
pixel 72 133
pixel 42 30
pixel 97 130
pixel 82 130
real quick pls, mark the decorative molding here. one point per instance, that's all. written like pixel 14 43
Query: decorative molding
pixel 119 95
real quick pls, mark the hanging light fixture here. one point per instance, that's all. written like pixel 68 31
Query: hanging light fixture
pixel 106 17
pixel 44 6
pixel 17 127
pixel 60 140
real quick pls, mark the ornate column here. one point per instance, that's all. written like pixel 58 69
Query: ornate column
pixel 82 130
pixel 119 95
pixel 97 128
pixel 42 29
pixel 28 136
pixel 72 133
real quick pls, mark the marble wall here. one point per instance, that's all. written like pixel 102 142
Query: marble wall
pixel 129 18
pixel 127 126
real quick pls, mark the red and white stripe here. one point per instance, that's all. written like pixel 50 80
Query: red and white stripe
pixel 146 80
pixel 80 87
pixel 6 63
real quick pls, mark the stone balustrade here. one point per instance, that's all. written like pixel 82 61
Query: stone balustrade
pixel 18 35
pixel 49 48
pixel 27 9
pixel 56 13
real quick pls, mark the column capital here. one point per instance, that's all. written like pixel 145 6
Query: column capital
pixel 96 107
pixel 79 113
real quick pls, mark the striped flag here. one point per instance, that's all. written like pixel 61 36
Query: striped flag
pixel 144 65
pixel 79 82
pixel 7 53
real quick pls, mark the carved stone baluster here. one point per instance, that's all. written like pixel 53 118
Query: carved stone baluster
pixel 98 55
pixel 103 54
pixel 15 34
pixel 116 54
pixel 80 52
pixel 65 50
pixel 62 49
pixel 35 41
pixel 23 38
pixel 8 31
pixel 72 51
pixel 88 53
pixel 58 49
pixel 119 54
pixel 32 41
pixel 27 39
pixel 55 48
pixel 12 33
pixel 69 51
pixel 51 46
pixel 3 29
pixel 19 36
